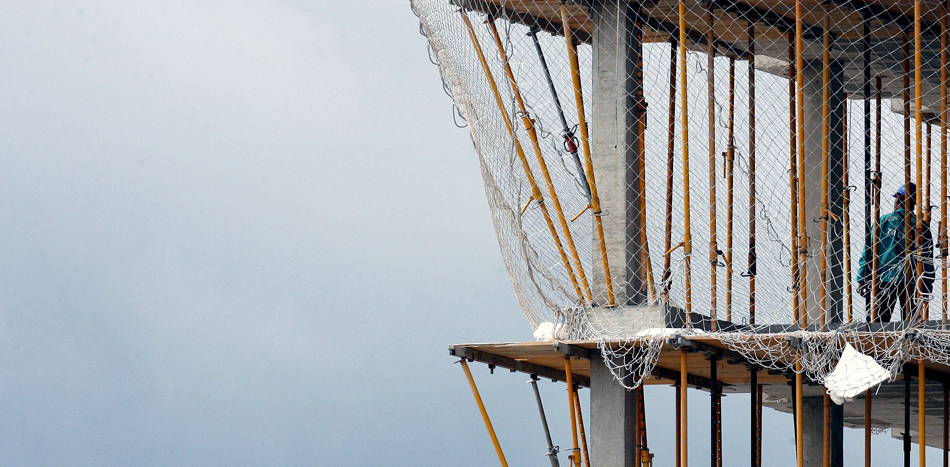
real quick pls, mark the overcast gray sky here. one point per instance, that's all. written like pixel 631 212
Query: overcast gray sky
pixel 243 233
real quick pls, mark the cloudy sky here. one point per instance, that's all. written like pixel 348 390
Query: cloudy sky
pixel 243 233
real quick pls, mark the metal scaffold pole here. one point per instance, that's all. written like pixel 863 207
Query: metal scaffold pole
pixel 729 156
pixel 533 136
pixel 793 180
pixel 711 106
pixel 535 190
pixel 552 451
pixel 752 259
pixel 585 144
pixel 825 96
pixel 481 408
pixel 671 159
pixel 687 232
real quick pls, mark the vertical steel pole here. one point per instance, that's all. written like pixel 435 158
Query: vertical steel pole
pixel 826 95
pixel 687 232
pixel 918 151
pixel 752 254
pixel 679 423
pixel 799 420
pixel 922 412
pixel 802 214
pixel 846 212
pixel 944 118
pixel 684 431
pixel 906 434
pixel 670 159
pixel 876 187
pixel 793 179
pixel 753 412
pixel 867 428
pixel 826 430
pixel 711 104
pixel 552 453
pixel 730 180
pixel 580 427
pixel 575 450
pixel 868 187
pixel 715 436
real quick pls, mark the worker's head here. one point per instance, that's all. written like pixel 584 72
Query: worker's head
pixel 905 191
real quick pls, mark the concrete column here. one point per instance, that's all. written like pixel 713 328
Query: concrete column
pixel 613 418
pixel 812 183
pixel 615 139
pixel 814 433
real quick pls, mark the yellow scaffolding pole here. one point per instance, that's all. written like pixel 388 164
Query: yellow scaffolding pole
pixel 481 408
pixel 585 143
pixel 580 426
pixel 919 309
pixel 533 136
pixel 793 178
pixel 687 232
pixel 802 214
pixel 711 111
pixel 867 428
pixel 535 190
pixel 730 181
pixel 825 96
pixel 846 204
pixel 575 452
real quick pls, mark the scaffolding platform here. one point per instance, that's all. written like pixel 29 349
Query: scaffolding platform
pixel 546 360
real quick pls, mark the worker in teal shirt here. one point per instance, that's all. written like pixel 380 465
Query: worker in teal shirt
pixel 897 271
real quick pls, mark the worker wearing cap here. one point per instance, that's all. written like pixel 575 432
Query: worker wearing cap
pixel 897 271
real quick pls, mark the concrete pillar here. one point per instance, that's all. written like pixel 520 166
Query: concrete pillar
pixel 615 139
pixel 613 418
pixel 813 117
pixel 814 413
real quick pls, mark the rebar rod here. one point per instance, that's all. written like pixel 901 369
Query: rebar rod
pixel 753 419
pixel 826 428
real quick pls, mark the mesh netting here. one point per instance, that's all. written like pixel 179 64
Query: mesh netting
pixel 708 161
